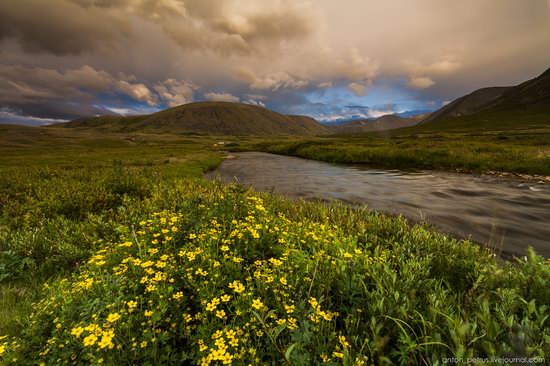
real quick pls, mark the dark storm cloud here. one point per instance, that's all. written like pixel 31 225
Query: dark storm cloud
pixel 67 58
pixel 61 27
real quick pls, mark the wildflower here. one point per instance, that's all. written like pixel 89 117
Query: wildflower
pixel 177 295
pixel 220 314
pixel 343 342
pixel 338 354
pixel 257 304
pixel 77 331
pixel 131 305
pixel 90 340
pixel 225 298
pixel 236 286
pixel 148 313
pixel 325 358
pixel 348 255
pixel 226 358
pixel 113 317
pixel 107 339
pixel 289 309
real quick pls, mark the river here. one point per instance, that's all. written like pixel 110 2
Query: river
pixel 505 214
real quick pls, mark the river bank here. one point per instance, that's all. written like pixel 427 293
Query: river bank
pixel 502 214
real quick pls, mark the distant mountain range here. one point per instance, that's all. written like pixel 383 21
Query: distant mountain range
pixel 216 118
pixel 383 123
pixel 526 105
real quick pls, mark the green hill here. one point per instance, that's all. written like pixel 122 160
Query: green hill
pixel 521 107
pixel 207 118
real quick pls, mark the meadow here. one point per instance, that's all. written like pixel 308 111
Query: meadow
pixel 116 251
pixel 517 152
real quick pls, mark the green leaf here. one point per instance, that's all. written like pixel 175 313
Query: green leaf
pixel 289 350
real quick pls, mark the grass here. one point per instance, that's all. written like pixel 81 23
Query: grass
pixel 520 153
pixel 116 251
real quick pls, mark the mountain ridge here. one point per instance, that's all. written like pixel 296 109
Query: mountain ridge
pixel 206 118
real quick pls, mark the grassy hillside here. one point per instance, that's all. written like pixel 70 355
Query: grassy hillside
pixel 219 118
pixel 525 106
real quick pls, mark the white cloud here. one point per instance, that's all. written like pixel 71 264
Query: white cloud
pixel 221 97
pixel 420 82
pixel 176 92
pixel 272 81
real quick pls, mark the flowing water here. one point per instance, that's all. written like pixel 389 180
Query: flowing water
pixel 507 215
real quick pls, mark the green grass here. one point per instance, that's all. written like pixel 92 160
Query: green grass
pixel 521 153
pixel 79 220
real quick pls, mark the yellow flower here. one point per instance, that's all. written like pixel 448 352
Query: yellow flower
pixel 289 309
pixel 107 340
pixel 275 262
pixel 325 358
pixel 236 286
pixel 90 340
pixel 113 317
pixel 220 314
pixel 226 358
pixel 131 305
pixel 2 350
pixel 343 341
pixel 148 313
pixel 257 304
pixel 338 354
pixel 77 331
pixel 348 255
pixel 225 298
pixel 177 295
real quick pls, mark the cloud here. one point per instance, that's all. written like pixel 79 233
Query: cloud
pixel 64 93
pixel 325 85
pixel 61 27
pixel 221 97
pixel 176 92
pixel 271 81
pixel 69 58
pixel 11 116
pixel 358 89
pixel 420 82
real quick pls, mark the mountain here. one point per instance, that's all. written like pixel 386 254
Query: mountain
pixel 526 105
pixel 383 123
pixel 220 118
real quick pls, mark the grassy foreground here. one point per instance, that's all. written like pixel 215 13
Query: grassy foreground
pixel 145 263
pixel 520 152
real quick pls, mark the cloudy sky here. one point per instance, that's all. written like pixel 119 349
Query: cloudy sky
pixel 65 59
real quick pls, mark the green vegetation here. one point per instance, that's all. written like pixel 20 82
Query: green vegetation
pixel 521 152
pixel 114 250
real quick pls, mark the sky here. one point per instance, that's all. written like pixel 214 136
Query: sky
pixel 329 59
